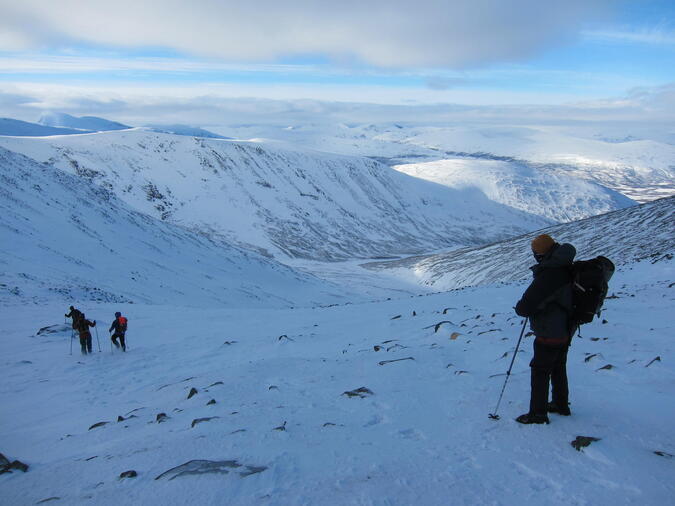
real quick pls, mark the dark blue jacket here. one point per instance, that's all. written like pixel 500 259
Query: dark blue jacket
pixel 548 299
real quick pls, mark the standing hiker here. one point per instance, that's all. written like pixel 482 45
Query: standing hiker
pixel 85 336
pixel 547 302
pixel 119 325
pixel 75 314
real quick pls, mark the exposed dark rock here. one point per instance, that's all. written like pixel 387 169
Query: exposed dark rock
pixel 438 325
pixel 377 348
pixel 128 474
pixel 606 367
pixel 461 372
pixel 193 392
pixel 6 466
pixel 252 470
pixel 359 392
pixel 161 417
pixel 491 330
pixel 583 441
pixel 98 424
pixel 383 362
pixel 228 343
pixel 281 427
pixel 589 357
pixel 328 424
pixel 656 359
pixel 214 384
pixel 200 420
pixel 211 402
pixel 664 454
pixel 121 418
pixel 54 498
pixel 200 467
pixel 396 317
pixel 273 387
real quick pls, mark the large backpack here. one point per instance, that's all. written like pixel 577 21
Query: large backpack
pixel 122 323
pixel 589 287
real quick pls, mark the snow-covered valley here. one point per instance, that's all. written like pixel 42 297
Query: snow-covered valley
pixel 277 200
pixel 246 271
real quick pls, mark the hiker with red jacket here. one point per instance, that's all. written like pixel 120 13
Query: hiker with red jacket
pixel 119 325
pixel 547 302
pixel 85 336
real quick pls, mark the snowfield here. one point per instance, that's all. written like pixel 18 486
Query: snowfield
pixel 556 196
pixel 283 430
pixel 271 360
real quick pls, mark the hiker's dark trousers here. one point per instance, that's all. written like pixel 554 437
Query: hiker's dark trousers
pixel 85 344
pixel 548 364
pixel 121 338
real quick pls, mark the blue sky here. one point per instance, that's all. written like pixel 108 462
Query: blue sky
pixel 483 52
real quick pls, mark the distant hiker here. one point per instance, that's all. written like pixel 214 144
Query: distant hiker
pixel 547 302
pixel 75 314
pixel 85 336
pixel 119 325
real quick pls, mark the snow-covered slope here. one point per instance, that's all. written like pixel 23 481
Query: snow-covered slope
pixel 624 236
pixel 277 200
pixel 64 238
pixel 271 422
pixel 15 127
pixel 553 195
pixel 184 130
pixel 86 123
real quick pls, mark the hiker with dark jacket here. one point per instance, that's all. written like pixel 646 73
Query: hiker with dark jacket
pixel 85 336
pixel 547 302
pixel 75 314
pixel 119 325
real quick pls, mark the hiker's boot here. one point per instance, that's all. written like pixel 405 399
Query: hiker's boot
pixel 552 407
pixel 529 418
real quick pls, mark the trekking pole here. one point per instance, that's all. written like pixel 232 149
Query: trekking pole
pixel 71 341
pixel 111 348
pixel 99 342
pixel 494 415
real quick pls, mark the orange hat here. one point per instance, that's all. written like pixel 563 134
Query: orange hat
pixel 542 243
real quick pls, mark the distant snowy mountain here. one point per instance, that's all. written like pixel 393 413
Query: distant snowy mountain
pixel 625 236
pixel 297 204
pixel 557 196
pixel 15 127
pixel 184 130
pixel 63 237
pixel 85 123
pixel 636 160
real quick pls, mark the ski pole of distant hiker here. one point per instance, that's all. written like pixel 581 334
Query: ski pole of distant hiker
pixel 99 342
pixel 72 332
pixel 111 346
pixel 494 415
